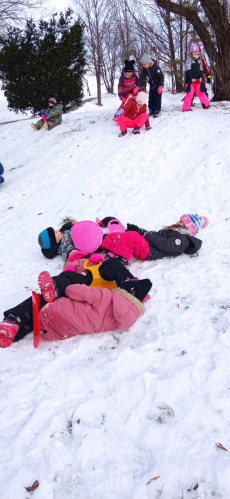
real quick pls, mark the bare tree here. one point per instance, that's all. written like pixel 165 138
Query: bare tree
pixel 15 12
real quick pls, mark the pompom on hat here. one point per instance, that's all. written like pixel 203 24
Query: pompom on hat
pixel 194 222
pixel 194 48
pixel 47 238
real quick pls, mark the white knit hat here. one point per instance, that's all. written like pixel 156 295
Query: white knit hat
pixel 141 98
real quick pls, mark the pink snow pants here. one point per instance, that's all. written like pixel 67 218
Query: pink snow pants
pixel 195 88
pixel 125 122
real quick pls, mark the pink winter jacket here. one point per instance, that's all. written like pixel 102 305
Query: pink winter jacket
pixel 127 244
pixel 89 310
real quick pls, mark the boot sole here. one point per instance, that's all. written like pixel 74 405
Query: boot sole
pixel 47 286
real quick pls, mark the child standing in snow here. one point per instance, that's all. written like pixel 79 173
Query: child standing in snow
pixel 193 80
pixel 133 114
pixel 127 82
pixel 155 77
pixel 50 117
pixel 1 173
pixel 171 241
pixel 18 321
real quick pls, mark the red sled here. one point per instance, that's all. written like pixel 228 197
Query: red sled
pixel 36 321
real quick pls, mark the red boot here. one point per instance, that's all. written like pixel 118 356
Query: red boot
pixel 8 329
pixel 47 286
pixel 5 342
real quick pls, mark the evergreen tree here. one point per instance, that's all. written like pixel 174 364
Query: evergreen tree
pixel 43 61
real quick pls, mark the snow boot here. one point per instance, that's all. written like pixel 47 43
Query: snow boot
pixel 205 107
pixel 150 112
pixel 8 328
pixel 34 127
pixel 47 286
pixel 5 342
pixel 137 288
pixel 136 130
pixel 156 114
pixel 46 127
pixel 122 134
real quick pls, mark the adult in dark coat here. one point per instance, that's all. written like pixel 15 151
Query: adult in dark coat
pixel 155 77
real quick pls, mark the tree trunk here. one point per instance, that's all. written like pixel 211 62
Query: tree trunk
pixel 99 88
pixel 217 50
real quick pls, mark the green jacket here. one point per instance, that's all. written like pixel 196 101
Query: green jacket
pixel 55 114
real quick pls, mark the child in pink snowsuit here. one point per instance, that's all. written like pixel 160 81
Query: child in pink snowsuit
pixel 133 114
pixel 193 80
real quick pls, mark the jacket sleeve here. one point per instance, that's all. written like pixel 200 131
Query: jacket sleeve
pixel 175 244
pixel 121 86
pixel 160 76
pixel 67 226
pixel 141 77
pixel 81 292
pixel 127 105
pixel 135 228
pixel 188 69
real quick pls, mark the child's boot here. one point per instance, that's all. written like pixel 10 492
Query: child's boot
pixel 122 134
pixel 47 286
pixel 46 127
pixel 137 288
pixel 34 127
pixel 136 130
pixel 8 328
pixel 5 342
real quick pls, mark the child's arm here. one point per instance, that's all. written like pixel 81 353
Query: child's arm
pixel 172 244
pixel 67 226
pixel 141 78
pixel 121 87
pixel 188 69
pixel 81 292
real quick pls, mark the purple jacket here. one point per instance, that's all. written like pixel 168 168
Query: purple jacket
pixel 126 85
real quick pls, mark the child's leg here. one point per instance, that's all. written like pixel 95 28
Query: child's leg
pixel 188 99
pixel 39 124
pixel 140 120
pixel 114 270
pixel 54 287
pixel 22 315
pixel 202 96
pixel 125 123
pixel 156 100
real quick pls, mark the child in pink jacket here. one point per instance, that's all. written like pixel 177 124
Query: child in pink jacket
pixel 87 310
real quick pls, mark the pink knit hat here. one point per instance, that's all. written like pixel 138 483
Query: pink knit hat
pixel 141 98
pixel 194 48
pixel 194 222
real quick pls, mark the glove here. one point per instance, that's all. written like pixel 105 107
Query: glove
pixel 120 112
pixel 148 128
pixel 208 79
pixel 42 111
pixel 123 99
pixel 132 227
pixel 96 258
pixel 135 91
pixel 47 115
pixel 160 90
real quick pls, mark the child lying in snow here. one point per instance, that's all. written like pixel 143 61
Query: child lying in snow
pixel 18 321
pixel 59 242
pixel 170 241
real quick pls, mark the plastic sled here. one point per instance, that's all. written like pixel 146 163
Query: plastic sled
pixel 87 236
pixel 36 321
pixel 98 282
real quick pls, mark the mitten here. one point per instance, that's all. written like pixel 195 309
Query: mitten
pixel 120 112
pixel 47 115
pixel 42 111
pixel 160 90
pixel 148 128
pixel 96 258
pixel 132 227
pixel 135 91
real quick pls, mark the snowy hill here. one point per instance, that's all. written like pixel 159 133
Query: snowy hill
pixel 98 417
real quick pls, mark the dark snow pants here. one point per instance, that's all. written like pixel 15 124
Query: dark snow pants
pixel 154 100
pixel 22 314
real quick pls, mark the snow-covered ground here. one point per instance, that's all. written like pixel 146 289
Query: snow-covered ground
pixel 98 417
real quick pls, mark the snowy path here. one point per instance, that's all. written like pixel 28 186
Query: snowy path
pixel 98 417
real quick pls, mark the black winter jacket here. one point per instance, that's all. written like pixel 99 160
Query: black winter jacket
pixel 52 252
pixel 154 75
pixel 168 243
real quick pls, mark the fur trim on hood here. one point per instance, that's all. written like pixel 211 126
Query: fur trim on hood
pixel 137 303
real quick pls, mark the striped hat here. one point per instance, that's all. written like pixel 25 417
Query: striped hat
pixel 52 100
pixel 194 222
pixel 47 238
